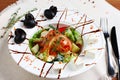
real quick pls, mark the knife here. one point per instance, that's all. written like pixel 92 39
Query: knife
pixel 115 46
pixel 114 42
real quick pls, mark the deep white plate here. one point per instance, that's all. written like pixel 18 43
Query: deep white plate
pixel 93 47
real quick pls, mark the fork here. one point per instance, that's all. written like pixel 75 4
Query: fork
pixel 104 26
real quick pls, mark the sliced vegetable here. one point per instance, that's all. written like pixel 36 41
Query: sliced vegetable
pixel 51 26
pixel 35 49
pixel 76 34
pixel 44 56
pixel 67 58
pixel 79 43
pixel 31 43
pixel 50 58
pixel 75 48
pixel 69 34
pixel 37 39
pixel 34 40
pixel 37 34
pixel 78 38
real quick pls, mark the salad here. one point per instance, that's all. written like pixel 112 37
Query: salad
pixel 56 44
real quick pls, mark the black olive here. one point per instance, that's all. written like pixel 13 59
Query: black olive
pixel 53 9
pixel 49 14
pixel 29 16
pixel 29 23
pixel 20 36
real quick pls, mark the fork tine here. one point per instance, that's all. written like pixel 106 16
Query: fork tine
pixel 104 25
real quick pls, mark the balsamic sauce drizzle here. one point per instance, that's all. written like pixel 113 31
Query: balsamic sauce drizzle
pixel 40 26
pixel 84 52
pixel 65 65
pixel 41 20
pixel 18 52
pixel 26 38
pixel 59 74
pixel 90 64
pixel 75 59
pixel 98 30
pixel 11 43
pixel 48 70
pixel 22 57
pixel 37 14
pixel 83 24
pixel 42 69
pixel 60 18
pixel 10 36
pixel 66 14
pixel 79 22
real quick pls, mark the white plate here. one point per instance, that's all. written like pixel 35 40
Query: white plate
pixel 93 47
pixel 93 10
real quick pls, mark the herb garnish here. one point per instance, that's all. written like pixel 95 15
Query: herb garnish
pixel 13 20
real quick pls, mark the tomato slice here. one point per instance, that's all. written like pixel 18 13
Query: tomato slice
pixel 62 29
pixel 65 45
pixel 61 44
pixel 53 53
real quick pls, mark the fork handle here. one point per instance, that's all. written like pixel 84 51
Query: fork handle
pixel 111 71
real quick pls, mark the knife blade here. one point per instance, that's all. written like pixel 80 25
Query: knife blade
pixel 114 42
pixel 115 47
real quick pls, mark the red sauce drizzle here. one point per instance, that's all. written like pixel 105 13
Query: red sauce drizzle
pixel 42 69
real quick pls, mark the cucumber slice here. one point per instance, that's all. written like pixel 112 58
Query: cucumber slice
pixel 69 34
pixel 35 49
pixel 75 48
pixel 78 38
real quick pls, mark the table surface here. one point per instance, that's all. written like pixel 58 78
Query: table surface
pixel 5 3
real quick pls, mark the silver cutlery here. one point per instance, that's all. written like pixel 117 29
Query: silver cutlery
pixel 104 26
pixel 113 39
